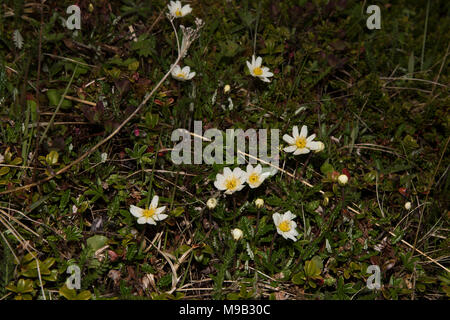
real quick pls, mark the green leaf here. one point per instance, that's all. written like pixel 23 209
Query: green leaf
pixel 52 158
pixel 4 170
pixel 54 96
pixel 96 242
pixel 313 268
pixel 177 211
pixel 326 168
pixel 298 278
pixel 84 295
pixel 24 286
pixel 411 63
pixel 69 294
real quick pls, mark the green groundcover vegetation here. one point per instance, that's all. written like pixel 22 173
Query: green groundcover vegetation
pixel 92 205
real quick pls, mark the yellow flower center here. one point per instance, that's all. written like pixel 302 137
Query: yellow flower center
pixel 231 183
pixel 181 75
pixel 258 71
pixel 253 178
pixel 300 142
pixel 148 213
pixel 178 13
pixel 285 226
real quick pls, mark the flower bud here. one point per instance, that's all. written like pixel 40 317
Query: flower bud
pixel 408 205
pixel 211 203
pixel 259 203
pixel 343 179
pixel 226 89
pixel 237 234
pixel 321 147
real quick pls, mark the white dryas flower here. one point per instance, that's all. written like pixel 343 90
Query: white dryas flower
pixel 230 181
pixel 300 143
pixel 285 225
pixel 211 203
pixel 237 234
pixel 178 11
pixel 182 74
pixel 257 70
pixel 150 215
pixel 255 176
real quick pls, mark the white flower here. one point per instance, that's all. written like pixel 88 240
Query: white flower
pixel 182 74
pixel 257 70
pixel 259 203
pixel 211 203
pixel 408 205
pixel 300 143
pixel 255 176
pixel 2 158
pixel 178 11
pixel 230 181
pixel 226 89
pixel 285 225
pixel 343 179
pixel 150 215
pixel 104 157
pixel 237 234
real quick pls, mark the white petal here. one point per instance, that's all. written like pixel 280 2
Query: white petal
pixel 186 10
pixel 160 209
pixel 258 62
pixel 288 215
pixel 291 236
pixel 288 139
pixel 290 149
pixel 249 66
pixel 226 171
pixel 276 218
pixel 161 217
pixel 311 137
pixel 304 131
pixel 301 151
pixel 295 132
pixel 142 220
pixel 220 178
pixel 186 70
pixel 238 173
pixel 154 202
pixel 136 211
pixel 177 68
pixel 219 185
pixel 265 175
